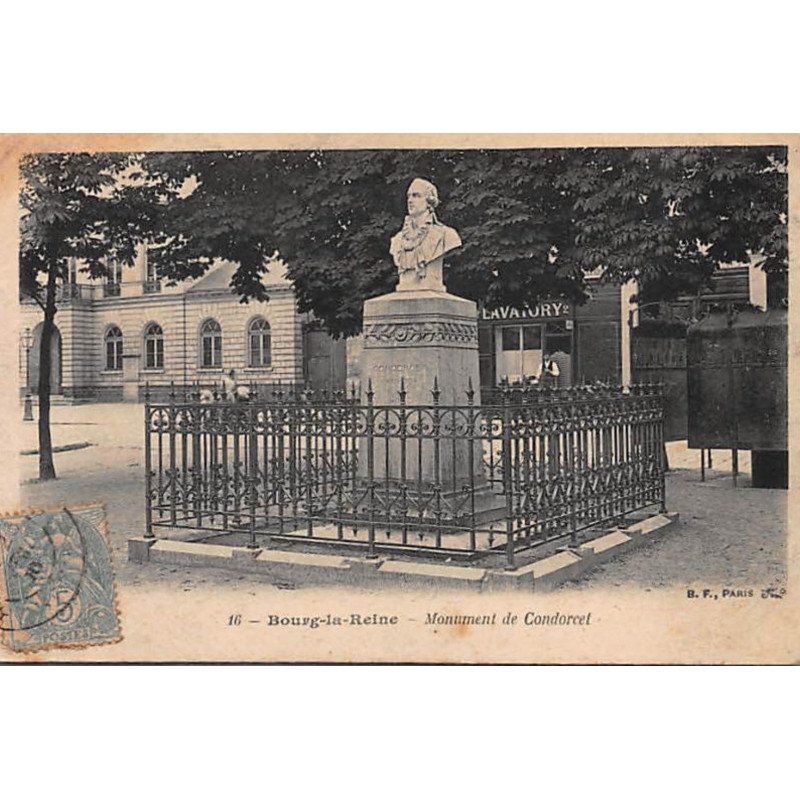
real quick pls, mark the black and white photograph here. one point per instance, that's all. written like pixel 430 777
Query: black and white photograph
pixel 303 392
pixel 399 401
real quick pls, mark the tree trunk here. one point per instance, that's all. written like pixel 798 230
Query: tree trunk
pixel 47 470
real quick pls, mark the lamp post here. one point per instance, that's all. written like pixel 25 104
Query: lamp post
pixel 27 341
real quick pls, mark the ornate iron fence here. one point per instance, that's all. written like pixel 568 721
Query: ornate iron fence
pixel 335 468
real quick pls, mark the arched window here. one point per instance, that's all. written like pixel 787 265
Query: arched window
pixel 259 344
pixel 153 347
pixel 113 348
pixel 211 344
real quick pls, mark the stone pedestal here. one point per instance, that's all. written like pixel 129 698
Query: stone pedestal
pixel 420 335
pixel 423 335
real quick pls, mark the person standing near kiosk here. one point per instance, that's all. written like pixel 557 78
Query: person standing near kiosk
pixel 549 372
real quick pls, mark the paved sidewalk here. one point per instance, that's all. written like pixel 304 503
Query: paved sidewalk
pixel 681 457
pixel 725 535
pixel 101 424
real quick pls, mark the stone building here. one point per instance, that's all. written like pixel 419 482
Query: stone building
pixel 116 334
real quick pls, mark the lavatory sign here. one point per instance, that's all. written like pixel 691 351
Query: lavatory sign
pixel 550 309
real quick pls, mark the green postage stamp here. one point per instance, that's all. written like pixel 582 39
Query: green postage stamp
pixel 56 580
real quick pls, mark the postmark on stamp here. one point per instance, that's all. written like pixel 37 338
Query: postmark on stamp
pixel 56 580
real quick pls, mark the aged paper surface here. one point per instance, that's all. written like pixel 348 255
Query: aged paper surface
pixel 668 601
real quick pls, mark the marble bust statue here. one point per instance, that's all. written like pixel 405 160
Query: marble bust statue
pixel 419 247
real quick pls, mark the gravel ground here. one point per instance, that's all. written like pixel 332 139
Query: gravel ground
pixel 725 535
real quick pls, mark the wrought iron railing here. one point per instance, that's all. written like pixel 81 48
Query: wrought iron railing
pixel 68 293
pixel 458 480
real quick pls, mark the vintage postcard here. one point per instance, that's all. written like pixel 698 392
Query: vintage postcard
pixel 405 399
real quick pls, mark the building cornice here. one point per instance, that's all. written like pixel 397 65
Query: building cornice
pixel 188 297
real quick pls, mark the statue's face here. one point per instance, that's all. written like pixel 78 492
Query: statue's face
pixel 417 202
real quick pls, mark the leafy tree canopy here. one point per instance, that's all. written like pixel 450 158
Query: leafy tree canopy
pixel 81 205
pixel 330 216
pixel 532 221
pixel 670 216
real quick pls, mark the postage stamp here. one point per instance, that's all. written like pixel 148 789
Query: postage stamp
pixel 56 580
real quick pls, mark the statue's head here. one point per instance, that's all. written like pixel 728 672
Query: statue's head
pixel 421 196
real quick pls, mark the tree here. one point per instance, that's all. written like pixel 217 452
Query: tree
pixel 74 205
pixel 330 215
pixel 669 216
pixel 533 222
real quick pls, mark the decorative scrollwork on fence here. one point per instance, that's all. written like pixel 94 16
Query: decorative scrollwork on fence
pixel 530 467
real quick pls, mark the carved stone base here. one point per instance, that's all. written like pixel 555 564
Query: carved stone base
pixel 423 337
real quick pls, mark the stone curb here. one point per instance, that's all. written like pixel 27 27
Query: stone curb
pixel 545 574
pixel 569 564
